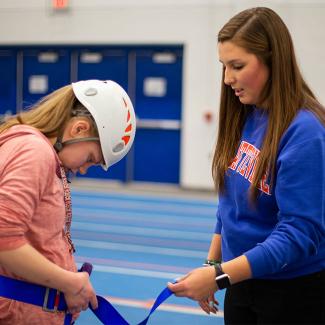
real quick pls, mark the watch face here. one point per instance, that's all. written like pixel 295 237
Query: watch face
pixel 223 281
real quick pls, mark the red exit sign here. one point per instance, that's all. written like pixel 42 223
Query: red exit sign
pixel 60 4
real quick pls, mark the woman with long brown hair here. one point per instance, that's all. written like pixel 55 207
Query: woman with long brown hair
pixel 268 249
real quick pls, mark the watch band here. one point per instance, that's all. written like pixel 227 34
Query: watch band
pixel 222 279
pixel 208 262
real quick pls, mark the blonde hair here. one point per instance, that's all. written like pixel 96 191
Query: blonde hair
pixel 52 113
pixel 262 32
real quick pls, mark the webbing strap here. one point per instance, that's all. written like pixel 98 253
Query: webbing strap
pixel 108 315
pixel 31 294
pixel 36 295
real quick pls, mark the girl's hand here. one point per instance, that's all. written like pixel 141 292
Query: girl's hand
pixel 81 294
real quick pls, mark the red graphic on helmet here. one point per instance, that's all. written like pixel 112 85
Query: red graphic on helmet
pixel 126 137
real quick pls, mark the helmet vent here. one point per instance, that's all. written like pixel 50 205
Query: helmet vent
pixel 126 139
pixel 128 129
pixel 91 92
pixel 119 147
pixel 125 103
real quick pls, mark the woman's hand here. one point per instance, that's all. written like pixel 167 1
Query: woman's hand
pixel 81 294
pixel 198 285
pixel 209 305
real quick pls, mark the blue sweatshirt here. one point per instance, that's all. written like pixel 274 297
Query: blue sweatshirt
pixel 283 236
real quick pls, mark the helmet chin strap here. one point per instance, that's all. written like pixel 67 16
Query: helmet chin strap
pixel 59 145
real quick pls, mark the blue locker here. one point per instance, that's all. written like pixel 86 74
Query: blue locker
pixel 158 103
pixel 8 79
pixel 167 69
pixel 44 70
pixel 105 64
pixel 108 64
pixel 156 155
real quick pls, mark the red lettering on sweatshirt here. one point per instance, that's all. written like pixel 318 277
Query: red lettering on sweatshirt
pixel 245 163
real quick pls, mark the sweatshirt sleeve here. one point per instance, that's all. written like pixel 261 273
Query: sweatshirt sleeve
pixel 218 226
pixel 300 195
pixel 25 171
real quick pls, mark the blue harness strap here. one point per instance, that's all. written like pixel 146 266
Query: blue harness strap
pixel 165 294
pixel 108 315
pixel 52 300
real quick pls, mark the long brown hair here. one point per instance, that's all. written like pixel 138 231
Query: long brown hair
pixel 262 32
pixel 52 113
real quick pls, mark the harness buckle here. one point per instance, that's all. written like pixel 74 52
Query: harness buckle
pixel 56 301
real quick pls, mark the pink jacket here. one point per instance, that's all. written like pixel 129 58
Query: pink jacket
pixel 32 210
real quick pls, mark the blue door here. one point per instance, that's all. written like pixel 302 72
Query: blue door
pixel 105 64
pixel 8 82
pixel 43 72
pixel 158 102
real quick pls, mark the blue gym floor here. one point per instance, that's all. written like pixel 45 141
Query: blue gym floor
pixel 137 242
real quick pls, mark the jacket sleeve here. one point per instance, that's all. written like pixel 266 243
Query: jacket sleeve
pixel 25 171
pixel 218 226
pixel 300 194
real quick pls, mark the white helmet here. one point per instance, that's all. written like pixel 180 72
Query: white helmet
pixel 112 110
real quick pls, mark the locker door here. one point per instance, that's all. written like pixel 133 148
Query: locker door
pixel 8 82
pixel 158 108
pixel 105 64
pixel 43 72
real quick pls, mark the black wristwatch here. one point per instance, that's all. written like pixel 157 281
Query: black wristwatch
pixel 222 279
